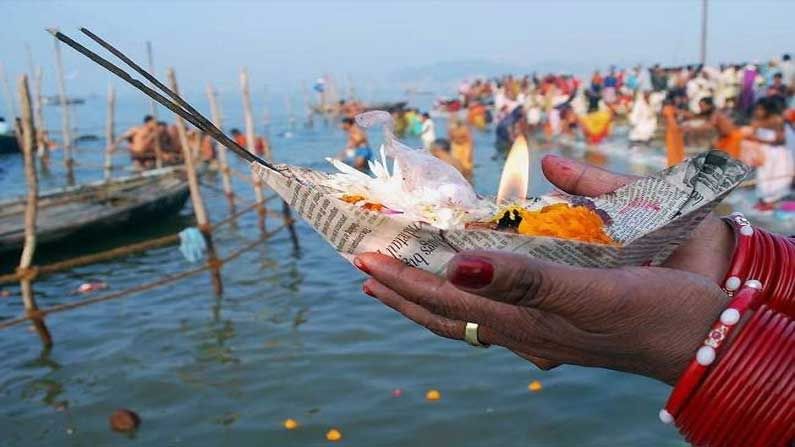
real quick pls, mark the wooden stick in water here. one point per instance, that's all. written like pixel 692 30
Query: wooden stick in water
pixel 42 151
pixel 26 260
pixel 151 60
pixel 177 105
pixel 110 134
pixel 65 119
pixel 11 110
pixel 251 143
pixel 202 220
pixel 215 113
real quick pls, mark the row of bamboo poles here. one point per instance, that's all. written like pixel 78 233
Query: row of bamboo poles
pixel 32 122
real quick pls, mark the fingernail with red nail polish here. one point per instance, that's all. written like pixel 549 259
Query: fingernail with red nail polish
pixel 360 265
pixel 472 272
pixel 367 290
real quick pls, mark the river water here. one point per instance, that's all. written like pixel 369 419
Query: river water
pixel 292 337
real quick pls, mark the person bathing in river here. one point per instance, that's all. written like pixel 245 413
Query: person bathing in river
pixel 141 140
pixel 710 118
pixel 763 146
pixel 461 139
pixel 441 149
pixel 357 151
pixel 261 146
pixel 597 123
pixel 428 133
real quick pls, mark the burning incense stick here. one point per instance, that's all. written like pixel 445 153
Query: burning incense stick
pixel 176 104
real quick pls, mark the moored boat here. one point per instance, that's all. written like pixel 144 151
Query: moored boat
pixel 9 144
pixel 96 209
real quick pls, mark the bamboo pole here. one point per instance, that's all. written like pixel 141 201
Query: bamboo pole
pixel 66 121
pixel 26 273
pixel 110 134
pixel 202 220
pixel 151 60
pixel 10 108
pixel 153 107
pixel 226 180
pixel 251 146
pixel 42 151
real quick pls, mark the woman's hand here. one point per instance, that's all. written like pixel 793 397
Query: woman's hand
pixel 708 251
pixel 647 321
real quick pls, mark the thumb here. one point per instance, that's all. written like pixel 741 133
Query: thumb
pixel 575 177
pixel 524 281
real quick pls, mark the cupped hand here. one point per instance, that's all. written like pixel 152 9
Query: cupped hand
pixel 647 321
pixel 707 252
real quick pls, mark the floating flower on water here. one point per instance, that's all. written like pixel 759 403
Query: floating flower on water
pixel 290 424
pixel 535 386
pixel 397 392
pixel 4 293
pixel 433 395
pixel 124 420
pixel 333 435
pixel 88 287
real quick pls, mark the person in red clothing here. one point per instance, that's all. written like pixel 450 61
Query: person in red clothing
pixel 665 322
pixel 260 143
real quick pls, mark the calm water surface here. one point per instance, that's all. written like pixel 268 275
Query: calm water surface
pixel 292 336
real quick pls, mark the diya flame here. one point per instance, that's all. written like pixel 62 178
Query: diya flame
pixel 562 220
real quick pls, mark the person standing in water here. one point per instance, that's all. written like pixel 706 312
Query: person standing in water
pixel 763 148
pixel 428 133
pixel 357 151
pixel 461 150
pixel 142 140
pixel 729 136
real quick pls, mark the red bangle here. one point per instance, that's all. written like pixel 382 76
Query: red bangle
pixel 763 362
pixel 706 354
pixel 776 374
pixel 748 400
pixel 735 359
pixel 764 256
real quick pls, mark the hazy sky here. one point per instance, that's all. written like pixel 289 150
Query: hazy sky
pixel 287 43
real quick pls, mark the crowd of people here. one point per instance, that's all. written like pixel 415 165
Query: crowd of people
pixel 153 140
pixel 743 109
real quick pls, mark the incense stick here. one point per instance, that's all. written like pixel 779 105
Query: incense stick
pixel 177 105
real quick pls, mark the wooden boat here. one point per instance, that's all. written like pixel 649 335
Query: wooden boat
pixel 9 144
pixel 56 100
pixel 95 209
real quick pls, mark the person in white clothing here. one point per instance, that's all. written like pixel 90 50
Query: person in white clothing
pixel 428 132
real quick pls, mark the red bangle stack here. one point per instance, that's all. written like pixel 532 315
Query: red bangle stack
pixel 746 298
pixel 747 400
pixel 764 256
pixel 748 397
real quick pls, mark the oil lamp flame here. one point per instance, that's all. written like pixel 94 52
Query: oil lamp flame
pixel 515 173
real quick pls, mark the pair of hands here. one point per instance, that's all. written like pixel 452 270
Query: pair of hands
pixel 643 320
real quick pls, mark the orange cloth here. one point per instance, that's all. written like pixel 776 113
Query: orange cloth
pixel 674 142
pixel 596 125
pixel 730 143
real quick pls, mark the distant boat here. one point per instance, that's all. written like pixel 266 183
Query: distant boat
pixel 96 209
pixel 9 144
pixel 396 105
pixel 56 100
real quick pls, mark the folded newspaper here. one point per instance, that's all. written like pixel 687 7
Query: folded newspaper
pixel 423 211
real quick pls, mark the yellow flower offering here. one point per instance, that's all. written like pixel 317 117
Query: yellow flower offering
pixel 333 435
pixel 433 395
pixel 560 220
pixel 290 424
pixel 535 386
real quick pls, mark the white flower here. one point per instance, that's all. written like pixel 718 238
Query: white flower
pixel 420 185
